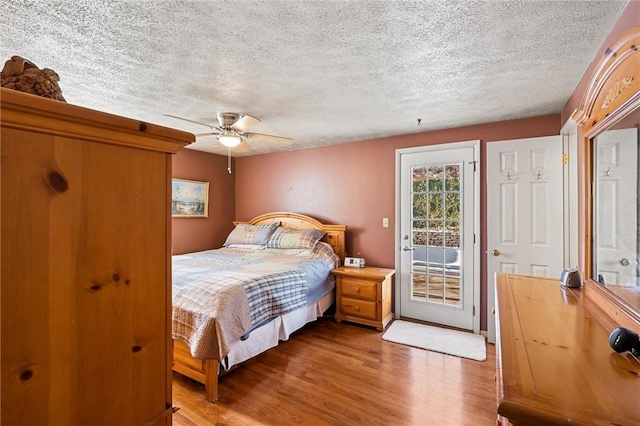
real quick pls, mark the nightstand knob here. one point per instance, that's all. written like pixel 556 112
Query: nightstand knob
pixel 357 308
pixel 357 289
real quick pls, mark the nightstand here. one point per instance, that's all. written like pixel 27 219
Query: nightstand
pixel 363 295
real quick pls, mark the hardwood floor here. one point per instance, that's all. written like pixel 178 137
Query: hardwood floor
pixel 345 374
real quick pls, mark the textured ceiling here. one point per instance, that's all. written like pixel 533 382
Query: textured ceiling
pixel 320 72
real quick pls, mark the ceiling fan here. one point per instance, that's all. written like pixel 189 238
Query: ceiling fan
pixel 231 130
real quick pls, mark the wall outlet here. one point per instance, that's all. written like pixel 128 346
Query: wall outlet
pixel 385 222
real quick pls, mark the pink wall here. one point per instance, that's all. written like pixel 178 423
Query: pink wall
pixel 629 18
pixel 354 184
pixel 191 234
pixel 351 183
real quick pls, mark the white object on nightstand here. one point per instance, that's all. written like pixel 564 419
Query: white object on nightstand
pixel 357 262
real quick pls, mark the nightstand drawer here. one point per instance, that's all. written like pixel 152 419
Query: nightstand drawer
pixel 356 287
pixel 358 308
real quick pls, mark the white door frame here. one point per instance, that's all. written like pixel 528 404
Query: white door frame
pixel 476 222
pixel 570 191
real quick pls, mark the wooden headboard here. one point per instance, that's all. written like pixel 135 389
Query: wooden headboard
pixel 334 233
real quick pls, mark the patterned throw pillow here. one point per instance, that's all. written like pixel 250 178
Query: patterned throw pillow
pixel 326 251
pixel 288 238
pixel 251 234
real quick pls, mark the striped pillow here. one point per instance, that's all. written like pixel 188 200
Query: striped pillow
pixel 251 234
pixel 289 238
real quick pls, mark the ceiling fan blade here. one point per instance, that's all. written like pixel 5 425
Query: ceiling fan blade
pixel 192 121
pixel 244 123
pixel 206 134
pixel 269 138
pixel 244 146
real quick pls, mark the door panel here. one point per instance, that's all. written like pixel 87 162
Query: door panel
pixel 524 211
pixel 437 236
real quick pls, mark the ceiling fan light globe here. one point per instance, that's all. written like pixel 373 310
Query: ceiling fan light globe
pixel 229 140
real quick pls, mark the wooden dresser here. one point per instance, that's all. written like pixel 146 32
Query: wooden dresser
pixel 85 282
pixel 554 362
pixel 363 295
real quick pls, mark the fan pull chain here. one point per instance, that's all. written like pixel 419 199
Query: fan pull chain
pixel 229 159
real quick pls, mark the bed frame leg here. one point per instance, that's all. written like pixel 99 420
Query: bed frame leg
pixel 212 368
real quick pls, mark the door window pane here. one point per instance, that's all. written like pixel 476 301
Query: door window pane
pixel 437 226
pixel 419 206
pixel 452 234
pixel 452 206
pixel 435 233
pixel 419 179
pixel 452 173
pixel 435 178
pixel 419 233
pixel 435 205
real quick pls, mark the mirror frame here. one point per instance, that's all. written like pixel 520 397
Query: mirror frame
pixel 612 93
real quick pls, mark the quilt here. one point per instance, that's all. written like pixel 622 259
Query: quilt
pixel 219 295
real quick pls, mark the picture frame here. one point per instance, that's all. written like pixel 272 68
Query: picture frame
pixel 189 198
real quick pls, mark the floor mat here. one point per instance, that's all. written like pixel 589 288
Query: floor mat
pixel 451 342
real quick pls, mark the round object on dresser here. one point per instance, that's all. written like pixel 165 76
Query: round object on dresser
pixel 622 340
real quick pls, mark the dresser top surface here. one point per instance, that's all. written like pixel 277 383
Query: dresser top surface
pixel 554 359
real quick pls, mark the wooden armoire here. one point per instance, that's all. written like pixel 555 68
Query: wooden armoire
pixel 85 284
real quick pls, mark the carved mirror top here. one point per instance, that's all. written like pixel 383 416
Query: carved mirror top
pixel 612 98
pixel 614 88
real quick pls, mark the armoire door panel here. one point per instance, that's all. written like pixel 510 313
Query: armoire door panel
pixel 85 265
pixel 29 293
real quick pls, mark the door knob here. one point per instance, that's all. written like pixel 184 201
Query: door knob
pixel 625 262
pixel 495 252
pixel 406 248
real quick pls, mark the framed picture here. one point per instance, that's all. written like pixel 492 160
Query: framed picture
pixel 189 198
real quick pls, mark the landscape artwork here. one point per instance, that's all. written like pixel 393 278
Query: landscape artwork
pixel 189 198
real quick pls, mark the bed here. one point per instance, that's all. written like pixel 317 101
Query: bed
pixel 222 314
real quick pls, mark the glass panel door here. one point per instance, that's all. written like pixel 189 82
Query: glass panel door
pixel 437 246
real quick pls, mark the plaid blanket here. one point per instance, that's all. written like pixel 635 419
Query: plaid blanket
pixel 218 295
